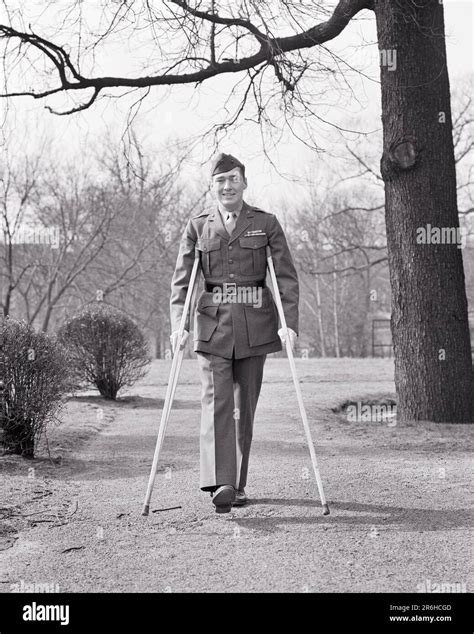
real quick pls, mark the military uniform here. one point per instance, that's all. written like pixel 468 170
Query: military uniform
pixel 233 336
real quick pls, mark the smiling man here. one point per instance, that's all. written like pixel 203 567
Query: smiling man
pixel 233 333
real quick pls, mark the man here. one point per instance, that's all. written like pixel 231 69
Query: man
pixel 236 322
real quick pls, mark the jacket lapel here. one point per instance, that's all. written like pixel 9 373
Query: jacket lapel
pixel 243 222
pixel 216 225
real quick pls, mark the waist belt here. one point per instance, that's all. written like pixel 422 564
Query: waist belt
pixel 232 287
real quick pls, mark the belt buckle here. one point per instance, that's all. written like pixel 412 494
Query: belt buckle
pixel 229 288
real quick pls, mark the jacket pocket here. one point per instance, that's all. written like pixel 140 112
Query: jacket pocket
pixel 206 320
pixel 210 255
pixel 262 321
pixel 253 255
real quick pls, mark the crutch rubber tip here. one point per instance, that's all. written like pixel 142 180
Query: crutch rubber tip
pixel 146 509
pixel 325 509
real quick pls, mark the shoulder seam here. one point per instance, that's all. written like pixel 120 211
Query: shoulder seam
pixel 205 212
pixel 261 210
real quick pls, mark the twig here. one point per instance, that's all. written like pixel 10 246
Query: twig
pixel 171 508
pixel 72 548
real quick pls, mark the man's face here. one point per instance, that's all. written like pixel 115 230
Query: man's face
pixel 228 188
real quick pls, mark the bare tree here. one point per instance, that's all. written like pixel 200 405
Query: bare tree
pixel 135 267
pixel 340 251
pixel 53 233
pixel 195 42
pixel 18 182
pixel 72 237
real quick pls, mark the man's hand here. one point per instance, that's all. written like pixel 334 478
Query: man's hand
pixel 174 339
pixel 291 335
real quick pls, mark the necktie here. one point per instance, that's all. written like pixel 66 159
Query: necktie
pixel 230 221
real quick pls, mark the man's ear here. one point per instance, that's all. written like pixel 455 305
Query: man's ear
pixel 245 183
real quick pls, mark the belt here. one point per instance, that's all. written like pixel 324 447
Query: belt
pixel 232 287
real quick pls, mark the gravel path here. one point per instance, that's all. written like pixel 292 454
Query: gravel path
pixel 398 496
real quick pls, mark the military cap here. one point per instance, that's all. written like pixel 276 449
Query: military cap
pixel 225 163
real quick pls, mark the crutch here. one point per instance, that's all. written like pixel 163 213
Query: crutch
pixel 291 359
pixel 172 383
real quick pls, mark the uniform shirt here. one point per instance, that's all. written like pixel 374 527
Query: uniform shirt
pixel 224 215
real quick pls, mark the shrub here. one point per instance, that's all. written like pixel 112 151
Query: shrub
pixel 33 381
pixel 107 349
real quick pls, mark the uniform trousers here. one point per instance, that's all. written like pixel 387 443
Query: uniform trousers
pixel 230 391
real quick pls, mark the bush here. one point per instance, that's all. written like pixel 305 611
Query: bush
pixel 106 347
pixel 33 380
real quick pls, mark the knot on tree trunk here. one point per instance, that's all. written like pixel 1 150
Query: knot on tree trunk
pixel 401 155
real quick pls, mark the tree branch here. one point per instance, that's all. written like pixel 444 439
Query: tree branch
pixel 217 19
pixel 270 47
pixel 83 106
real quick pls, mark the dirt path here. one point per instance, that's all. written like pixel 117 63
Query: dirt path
pixel 398 497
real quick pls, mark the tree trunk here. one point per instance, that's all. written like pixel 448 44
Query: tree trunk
pixel 107 387
pixel 320 316
pixel 367 280
pixel 334 311
pixel 158 342
pixel 47 318
pixel 19 439
pixel 433 366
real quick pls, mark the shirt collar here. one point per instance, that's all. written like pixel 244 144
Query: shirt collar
pixel 236 211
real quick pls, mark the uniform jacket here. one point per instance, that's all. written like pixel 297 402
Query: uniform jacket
pixel 248 326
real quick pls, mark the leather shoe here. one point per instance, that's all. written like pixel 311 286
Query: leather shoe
pixel 223 498
pixel 240 498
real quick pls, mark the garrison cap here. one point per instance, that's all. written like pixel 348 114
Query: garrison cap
pixel 225 163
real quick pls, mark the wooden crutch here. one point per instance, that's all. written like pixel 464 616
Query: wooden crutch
pixel 299 396
pixel 172 383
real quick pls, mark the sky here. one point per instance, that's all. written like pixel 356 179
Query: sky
pixel 184 113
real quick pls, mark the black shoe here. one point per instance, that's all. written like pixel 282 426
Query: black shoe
pixel 223 498
pixel 240 498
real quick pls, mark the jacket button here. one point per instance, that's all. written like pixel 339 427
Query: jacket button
pixel 205 248
pixel 231 261
pixel 231 275
pixel 230 247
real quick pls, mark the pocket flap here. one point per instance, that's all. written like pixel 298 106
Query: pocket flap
pixel 253 242
pixel 207 304
pixel 208 244
pixel 262 301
